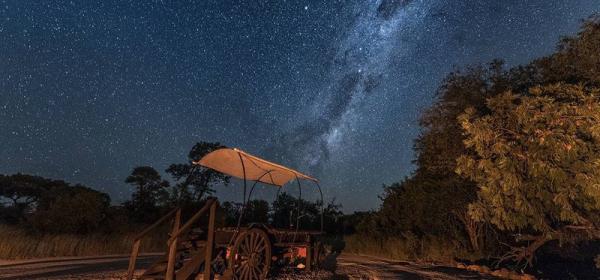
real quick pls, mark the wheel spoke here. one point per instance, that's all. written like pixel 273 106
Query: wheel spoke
pixel 256 276
pixel 257 241
pixel 261 248
pixel 252 255
pixel 246 272
pixel 244 247
pixel 240 270
pixel 252 241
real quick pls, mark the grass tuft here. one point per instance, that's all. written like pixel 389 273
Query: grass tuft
pixel 19 244
pixel 409 248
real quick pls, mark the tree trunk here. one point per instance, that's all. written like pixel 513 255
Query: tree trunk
pixel 472 228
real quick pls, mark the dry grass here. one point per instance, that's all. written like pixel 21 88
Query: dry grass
pixel 18 244
pixel 407 248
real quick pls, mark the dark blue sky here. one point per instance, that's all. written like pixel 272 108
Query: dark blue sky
pixel 334 88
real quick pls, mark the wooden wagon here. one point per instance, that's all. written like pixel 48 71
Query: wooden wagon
pixel 240 253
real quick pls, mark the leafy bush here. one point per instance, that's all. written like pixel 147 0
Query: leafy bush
pixel 70 210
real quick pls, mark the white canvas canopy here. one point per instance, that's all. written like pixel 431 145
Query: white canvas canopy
pixel 237 163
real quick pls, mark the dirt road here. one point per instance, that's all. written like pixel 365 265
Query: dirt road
pixel 367 267
pixel 102 267
pixel 113 267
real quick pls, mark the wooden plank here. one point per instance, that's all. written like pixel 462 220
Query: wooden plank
pixel 138 239
pixel 210 242
pixel 132 258
pixel 157 223
pixel 190 266
pixel 193 219
pixel 309 255
pixel 173 247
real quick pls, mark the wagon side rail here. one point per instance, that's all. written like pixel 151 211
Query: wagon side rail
pixel 137 241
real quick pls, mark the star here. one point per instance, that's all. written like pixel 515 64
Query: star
pixel 336 91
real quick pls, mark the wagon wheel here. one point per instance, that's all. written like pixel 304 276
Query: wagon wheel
pixel 251 255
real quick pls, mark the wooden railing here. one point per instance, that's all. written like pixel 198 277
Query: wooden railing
pixel 176 233
pixel 211 204
pixel 137 241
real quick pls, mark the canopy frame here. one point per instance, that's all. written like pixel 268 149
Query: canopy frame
pixel 213 160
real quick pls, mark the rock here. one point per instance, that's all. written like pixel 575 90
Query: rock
pixel 472 267
pixel 484 269
pixel 527 277
pixel 502 273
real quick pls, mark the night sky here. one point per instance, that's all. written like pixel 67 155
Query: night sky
pixel 333 88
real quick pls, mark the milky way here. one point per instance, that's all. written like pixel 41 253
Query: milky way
pixel 91 89
pixel 359 65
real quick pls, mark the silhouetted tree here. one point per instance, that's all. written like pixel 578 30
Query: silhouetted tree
pixel 284 211
pixel 290 212
pixel 425 194
pixel 20 194
pixel 70 209
pixel 47 205
pixel 257 211
pixel 194 182
pixel 150 194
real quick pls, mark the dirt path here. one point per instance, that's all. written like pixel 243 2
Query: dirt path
pixel 368 267
pixel 349 267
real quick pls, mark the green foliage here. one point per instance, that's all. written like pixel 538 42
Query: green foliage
pixel 440 142
pixel 504 153
pixel 537 158
pixel 435 196
pixel 427 201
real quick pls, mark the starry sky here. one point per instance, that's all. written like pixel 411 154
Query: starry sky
pixel 90 89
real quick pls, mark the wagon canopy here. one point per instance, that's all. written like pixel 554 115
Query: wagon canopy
pixel 237 163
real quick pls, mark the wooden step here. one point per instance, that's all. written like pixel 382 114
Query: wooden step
pixel 191 265
pixel 188 265
pixel 157 268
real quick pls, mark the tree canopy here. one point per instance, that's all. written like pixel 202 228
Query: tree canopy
pixel 194 182
pixel 507 153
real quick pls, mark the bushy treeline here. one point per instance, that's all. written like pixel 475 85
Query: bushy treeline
pixel 53 206
pixel 285 212
pixel 508 160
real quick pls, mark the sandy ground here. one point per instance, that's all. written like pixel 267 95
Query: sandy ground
pixel 347 267
pixel 367 267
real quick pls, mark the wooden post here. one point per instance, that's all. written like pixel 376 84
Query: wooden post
pixel 134 253
pixel 173 247
pixel 309 253
pixel 209 241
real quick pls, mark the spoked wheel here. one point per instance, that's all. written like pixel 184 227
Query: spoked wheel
pixel 251 256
